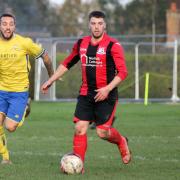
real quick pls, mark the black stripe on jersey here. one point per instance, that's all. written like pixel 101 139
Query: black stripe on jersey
pixel 110 65
pixel 111 70
pixel 91 70
pixel 75 58
pixel 79 43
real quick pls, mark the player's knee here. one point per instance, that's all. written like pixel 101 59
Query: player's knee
pixel 80 130
pixel 103 134
pixel 11 128
pixel 10 125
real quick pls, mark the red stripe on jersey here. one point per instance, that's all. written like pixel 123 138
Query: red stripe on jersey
pixel 118 56
pixel 101 65
pixel 73 58
pixel 82 51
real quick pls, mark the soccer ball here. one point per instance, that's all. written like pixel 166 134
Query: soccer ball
pixel 71 164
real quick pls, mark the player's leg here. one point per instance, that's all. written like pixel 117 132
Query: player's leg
pixel 83 114
pixel 16 110
pixel 93 124
pixel 113 136
pixel 107 132
pixel 14 113
pixel 3 142
pixel 80 139
pixel 27 112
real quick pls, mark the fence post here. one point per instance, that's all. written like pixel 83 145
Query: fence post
pixel 38 64
pixel 174 97
pixel 137 72
pixel 53 92
pixel 146 89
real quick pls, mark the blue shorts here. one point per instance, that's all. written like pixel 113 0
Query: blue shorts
pixel 13 104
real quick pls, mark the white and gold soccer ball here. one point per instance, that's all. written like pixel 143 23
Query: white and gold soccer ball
pixel 71 164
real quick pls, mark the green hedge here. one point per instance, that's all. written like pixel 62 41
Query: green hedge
pixel 159 66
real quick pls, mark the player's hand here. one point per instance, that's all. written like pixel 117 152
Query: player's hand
pixel 45 87
pixel 102 94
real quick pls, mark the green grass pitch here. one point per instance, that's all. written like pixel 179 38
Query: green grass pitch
pixel 153 132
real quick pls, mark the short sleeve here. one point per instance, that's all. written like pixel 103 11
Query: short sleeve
pixel 34 49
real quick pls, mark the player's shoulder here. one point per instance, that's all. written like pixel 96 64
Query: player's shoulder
pixel 115 42
pixel 83 39
pixel 86 38
pixel 21 38
pixel 112 39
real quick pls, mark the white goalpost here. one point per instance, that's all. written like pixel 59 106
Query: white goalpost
pixel 41 73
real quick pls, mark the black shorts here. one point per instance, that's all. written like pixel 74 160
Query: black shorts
pixel 89 110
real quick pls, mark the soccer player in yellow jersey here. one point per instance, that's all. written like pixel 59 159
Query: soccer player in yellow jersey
pixel 14 82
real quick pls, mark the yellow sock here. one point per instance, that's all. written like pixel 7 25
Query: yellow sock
pixel 3 145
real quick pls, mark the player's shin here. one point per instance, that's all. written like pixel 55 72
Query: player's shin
pixel 80 145
pixel 116 138
pixel 3 145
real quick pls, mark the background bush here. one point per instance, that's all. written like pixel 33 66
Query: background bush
pixel 159 66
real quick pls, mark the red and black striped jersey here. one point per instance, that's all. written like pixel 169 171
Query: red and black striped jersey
pixel 100 63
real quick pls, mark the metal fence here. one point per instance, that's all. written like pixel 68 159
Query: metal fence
pixel 139 47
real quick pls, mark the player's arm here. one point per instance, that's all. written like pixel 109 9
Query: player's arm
pixel 48 63
pixel 102 93
pixel 58 74
pixel 118 56
pixel 36 51
pixel 70 61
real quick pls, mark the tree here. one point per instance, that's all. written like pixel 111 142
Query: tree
pixel 140 14
pixel 72 20
pixel 30 14
pixel 114 11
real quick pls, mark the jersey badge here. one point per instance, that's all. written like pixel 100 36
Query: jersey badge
pixel 101 50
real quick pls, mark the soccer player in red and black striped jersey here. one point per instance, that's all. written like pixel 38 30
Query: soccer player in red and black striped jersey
pixel 103 68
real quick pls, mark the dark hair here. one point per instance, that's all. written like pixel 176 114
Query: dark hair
pixel 8 15
pixel 97 14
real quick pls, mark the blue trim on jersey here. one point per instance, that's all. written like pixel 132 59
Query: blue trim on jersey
pixel 13 104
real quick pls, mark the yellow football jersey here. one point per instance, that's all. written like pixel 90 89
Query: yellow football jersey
pixel 14 62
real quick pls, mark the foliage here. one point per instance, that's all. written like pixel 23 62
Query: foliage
pixel 140 15
pixel 159 66
pixel 71 18
pixel 114 15
pixel 30 14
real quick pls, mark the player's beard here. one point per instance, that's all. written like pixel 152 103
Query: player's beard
pixel 6 38
pixel 97 37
